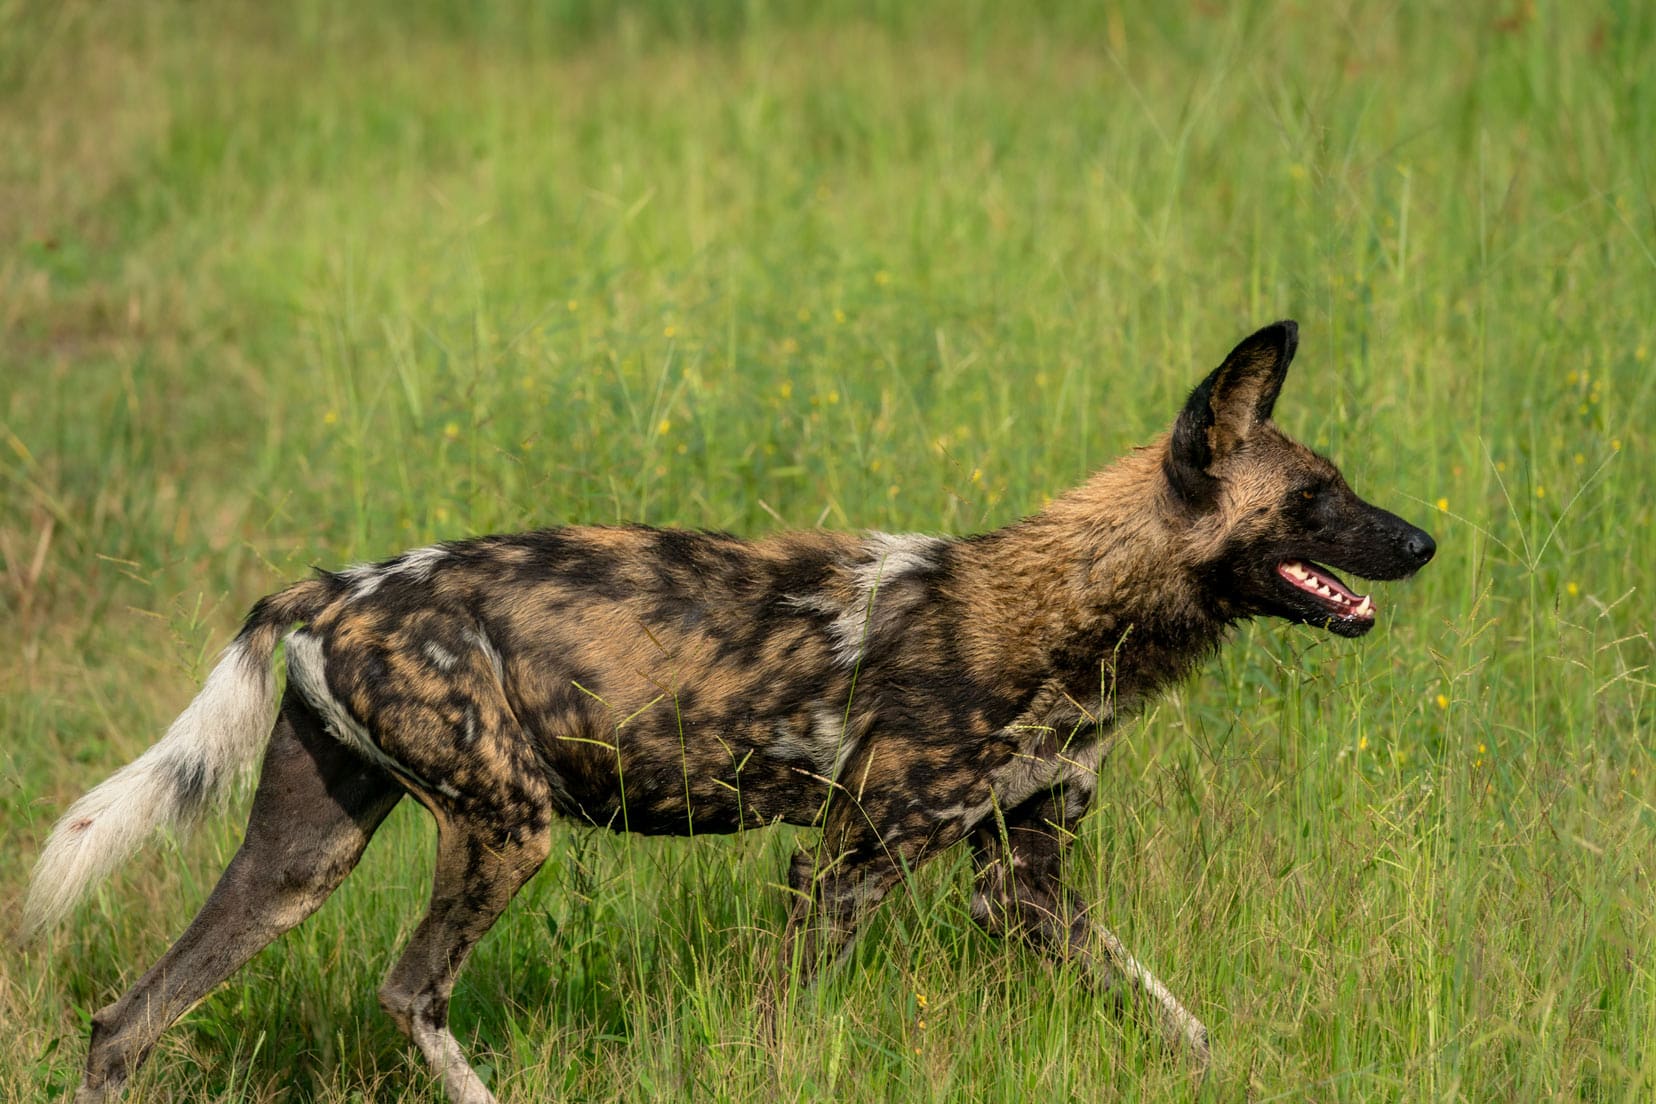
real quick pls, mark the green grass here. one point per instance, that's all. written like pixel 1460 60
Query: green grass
pixel 304 288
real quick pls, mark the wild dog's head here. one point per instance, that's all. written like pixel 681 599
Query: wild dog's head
pixel 1274 512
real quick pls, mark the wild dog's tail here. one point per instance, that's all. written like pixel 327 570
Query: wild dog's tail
pixel 217 740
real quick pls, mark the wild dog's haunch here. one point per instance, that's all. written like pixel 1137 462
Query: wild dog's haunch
pixel 902 692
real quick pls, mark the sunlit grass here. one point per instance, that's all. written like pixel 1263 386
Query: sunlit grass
pixel 285 287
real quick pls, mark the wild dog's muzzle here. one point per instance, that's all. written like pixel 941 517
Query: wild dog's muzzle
pixel 1376 545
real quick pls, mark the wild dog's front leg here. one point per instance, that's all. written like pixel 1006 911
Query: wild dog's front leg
pixel 829 897
pixel 868 842
pixel 1102 951
pixel 1020 891
pixel 831 893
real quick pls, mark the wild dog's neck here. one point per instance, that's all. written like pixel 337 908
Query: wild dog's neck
pixel 1099 576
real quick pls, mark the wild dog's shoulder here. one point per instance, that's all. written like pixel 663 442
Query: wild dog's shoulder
pixel 878 557
pixel 877 584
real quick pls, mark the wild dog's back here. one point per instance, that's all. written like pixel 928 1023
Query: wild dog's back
pixel 664 680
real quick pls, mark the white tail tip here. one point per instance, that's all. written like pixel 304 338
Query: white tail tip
pixel 216 740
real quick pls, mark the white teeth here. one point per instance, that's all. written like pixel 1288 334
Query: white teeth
pixel 1312 583
pixel 1309 581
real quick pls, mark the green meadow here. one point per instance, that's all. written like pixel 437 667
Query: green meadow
pixel 293 285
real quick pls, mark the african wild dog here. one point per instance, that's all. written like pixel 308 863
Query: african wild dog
pixel 902 692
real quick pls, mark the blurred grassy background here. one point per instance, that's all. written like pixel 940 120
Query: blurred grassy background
pixel 302 284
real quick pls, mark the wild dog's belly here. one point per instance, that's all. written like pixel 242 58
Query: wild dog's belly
pixel 693 775
pixel 682 775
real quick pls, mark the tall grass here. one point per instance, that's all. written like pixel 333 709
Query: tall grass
pixel 293 285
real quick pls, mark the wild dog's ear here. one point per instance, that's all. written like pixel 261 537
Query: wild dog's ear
pixel 1227 406
pixel 1246 386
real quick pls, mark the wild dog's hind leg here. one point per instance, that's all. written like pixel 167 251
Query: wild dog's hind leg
pixel 492 836
pixel 1020 891
pixel 482 861
pixel 315 809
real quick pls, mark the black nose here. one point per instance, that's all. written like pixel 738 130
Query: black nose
pixel 1420 546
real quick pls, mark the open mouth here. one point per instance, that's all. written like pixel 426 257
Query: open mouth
pixel 1321 584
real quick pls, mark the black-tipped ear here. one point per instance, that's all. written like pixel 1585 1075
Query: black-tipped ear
pixel 1246 386
pixel 1226 407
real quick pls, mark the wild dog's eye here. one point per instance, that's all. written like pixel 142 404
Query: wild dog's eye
pixel 1308 495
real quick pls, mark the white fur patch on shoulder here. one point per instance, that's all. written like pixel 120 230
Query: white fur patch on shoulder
pixel 886 562
pixel 880 572
pixel 890 556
